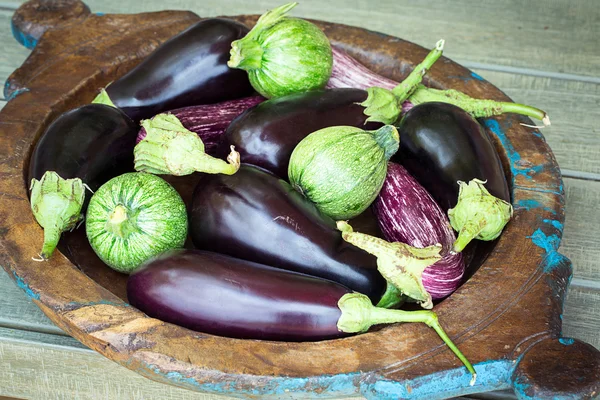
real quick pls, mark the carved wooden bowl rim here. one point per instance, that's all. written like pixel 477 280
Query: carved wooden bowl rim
pixel 169 353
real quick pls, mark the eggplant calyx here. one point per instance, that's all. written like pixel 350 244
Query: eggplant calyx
pixel 477 214
pixel 103 98
pixel 400 264
pixel 169 148
pixel 478 108
pixel 381 106
pixel 358 315
pixel 246 53
pixel 56 205
pixel 408 85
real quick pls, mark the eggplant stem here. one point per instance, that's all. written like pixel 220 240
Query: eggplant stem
pixel 358 315
pixel 409 85
pixel 468 232
pixel 400 264
pixel 478 108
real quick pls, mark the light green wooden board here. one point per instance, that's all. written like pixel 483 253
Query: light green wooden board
pixel 33 369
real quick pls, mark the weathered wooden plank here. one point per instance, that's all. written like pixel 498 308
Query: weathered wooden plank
pixel 538 34
pixel 581 318
pixel 582 228
pixel 34 370
pixel 49 339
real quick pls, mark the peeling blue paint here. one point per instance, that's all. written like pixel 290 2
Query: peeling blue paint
pixel 521 388
pixel 477 76
pixel 21 283
pixel 513 155
pixel 530 204
pixel 557 224
pixel 333 385
pixel 550 245
pixel 566 341
pixel 100 14
pixel 16 93
pixel 26 40
pixel 491 375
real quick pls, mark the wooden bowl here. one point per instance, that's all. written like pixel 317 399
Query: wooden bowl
pixel 506 318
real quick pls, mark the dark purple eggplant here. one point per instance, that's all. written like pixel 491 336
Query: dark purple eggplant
pixel 226 296
pixel 441 144
pixel 188 69
pixel 221 295
pixel 85 146
pixel 453 157
pixel 256 216
pixel 267 134
pixel 94 143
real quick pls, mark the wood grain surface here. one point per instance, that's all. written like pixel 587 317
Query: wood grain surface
pixel 533 74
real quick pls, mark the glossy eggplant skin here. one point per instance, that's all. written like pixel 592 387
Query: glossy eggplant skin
pixel 255 216
pixel 188 69
pixel 441 144
pixel 93 142
pixel 225 296
pixel 266 134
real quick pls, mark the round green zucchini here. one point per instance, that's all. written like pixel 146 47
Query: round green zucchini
pixel 134 217
pixel 341 169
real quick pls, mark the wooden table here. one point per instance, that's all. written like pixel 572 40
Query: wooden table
pixel 542 52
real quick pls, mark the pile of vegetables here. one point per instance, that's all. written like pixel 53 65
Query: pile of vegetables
pixel 286 176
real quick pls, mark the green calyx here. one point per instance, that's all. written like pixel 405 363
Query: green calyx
pixel 400 264
pixel 246 53
pixel 478 108
pixel 358 315
pixel 56 205
pixel 381 106
pixel 408 85
pixel 477 214
pixel 103 98
pixel 169 148
pixel 385 106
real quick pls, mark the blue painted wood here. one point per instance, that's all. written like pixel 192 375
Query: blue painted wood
pixel 23 38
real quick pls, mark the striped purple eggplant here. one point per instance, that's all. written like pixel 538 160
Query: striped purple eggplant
pixel 209 121
pixel 407 213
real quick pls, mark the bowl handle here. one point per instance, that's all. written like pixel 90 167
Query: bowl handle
pixel 35 17
pixel 558 368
